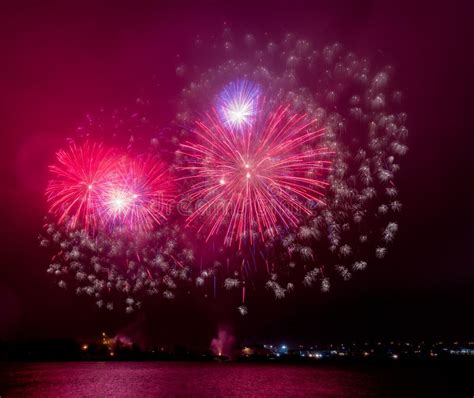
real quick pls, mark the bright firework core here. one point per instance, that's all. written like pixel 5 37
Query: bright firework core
pixel 237 103
pixel 120 201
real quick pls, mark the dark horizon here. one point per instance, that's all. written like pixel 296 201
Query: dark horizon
pixel 65 61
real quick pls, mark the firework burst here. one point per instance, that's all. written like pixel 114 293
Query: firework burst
pixel 79 178
pixel 365 129
pixel 237 103
pixel 265 175
pixel 95 188
pixel 139 194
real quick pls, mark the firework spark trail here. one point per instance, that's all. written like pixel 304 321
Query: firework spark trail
pixel 79 179
pixel 117 268
pixel 96 188
pixel 139 194
pixel 259 176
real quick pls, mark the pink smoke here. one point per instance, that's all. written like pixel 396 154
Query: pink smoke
pixel 222 344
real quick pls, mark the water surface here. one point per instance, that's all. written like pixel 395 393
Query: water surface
pixel 180 379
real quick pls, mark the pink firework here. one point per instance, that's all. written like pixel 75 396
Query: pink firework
pixel 79 178
pixel 93 187
pixel 138 195
pixel 255 178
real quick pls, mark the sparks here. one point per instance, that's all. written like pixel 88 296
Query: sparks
pixel 237 103
pixel 256 180
pixel 139 195
pixel 80 176
pixel 93 187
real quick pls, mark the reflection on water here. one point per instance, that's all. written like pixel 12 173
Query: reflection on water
pixel 171 379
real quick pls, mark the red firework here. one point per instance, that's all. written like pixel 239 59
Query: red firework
pixel 254 178
pixel 80 176
pixel 139 195
pixel 93 187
